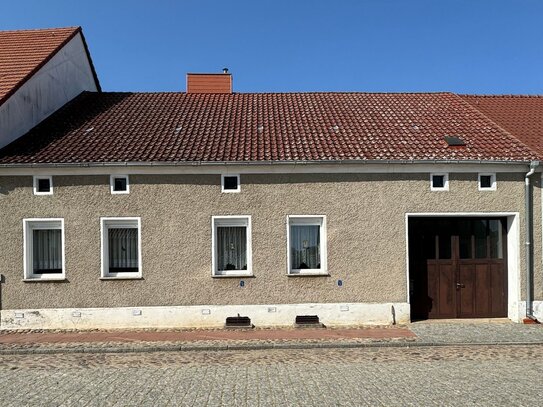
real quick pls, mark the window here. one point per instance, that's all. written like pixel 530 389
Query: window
pixel 230 183
pixel 306 240
pixel 487 182
pixel 232 246
pixel 119 184
pixel 439 182
pixel 43 249
pixel 43 185
pixel 121 243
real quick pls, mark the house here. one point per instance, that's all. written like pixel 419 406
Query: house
pixel 40 71
pixel 184 209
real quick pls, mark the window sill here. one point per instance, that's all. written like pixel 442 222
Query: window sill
pixel 45 280
pixel 308 275
pixel 233 276
pixel 122 278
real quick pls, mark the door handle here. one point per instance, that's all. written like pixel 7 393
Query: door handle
pixel 459 286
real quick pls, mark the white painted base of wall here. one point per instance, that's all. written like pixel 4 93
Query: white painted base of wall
pixel 537 307
pixel 204 316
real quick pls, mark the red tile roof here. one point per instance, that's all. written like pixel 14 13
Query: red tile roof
pixel 520 115
pixel 171 127
pixel 24 52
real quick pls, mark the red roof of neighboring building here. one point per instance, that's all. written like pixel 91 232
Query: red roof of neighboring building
pixel 238 127
pixel 24 52
pixel 520 115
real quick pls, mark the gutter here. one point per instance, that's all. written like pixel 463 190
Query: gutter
pixel 530 318
pixel 255 163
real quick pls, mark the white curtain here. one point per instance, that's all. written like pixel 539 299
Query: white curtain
pixel 123 249
pixel 231 248
pixel 305 247
pixel 47 251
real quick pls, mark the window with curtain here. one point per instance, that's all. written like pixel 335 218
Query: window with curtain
pixel 44 249
pixel 307 245
pixel 121 248
pixel 232 253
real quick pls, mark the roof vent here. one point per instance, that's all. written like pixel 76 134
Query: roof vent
pixel 209 82
pixel 454 141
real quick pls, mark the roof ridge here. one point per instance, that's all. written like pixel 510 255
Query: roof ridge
pixel 503 95
pixel 75 27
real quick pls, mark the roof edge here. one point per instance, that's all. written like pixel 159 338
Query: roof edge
pixel 257 163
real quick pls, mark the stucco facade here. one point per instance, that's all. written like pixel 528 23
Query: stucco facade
pixel 366 236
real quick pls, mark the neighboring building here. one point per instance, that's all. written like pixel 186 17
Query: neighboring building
pixel 183 209
pixel 40 71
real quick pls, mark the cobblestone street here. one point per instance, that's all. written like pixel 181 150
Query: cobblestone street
pixel 452 375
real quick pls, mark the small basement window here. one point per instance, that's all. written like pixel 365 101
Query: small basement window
pixel 44 249
pixel 119 184
pixel 487 182
pixel 439 182
pixel 43 185
pixel 230 183
pixel 121 253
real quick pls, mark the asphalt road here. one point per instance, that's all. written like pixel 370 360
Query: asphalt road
pixel 421 376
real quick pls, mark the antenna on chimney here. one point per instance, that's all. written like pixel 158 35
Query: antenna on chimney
pixel 225 70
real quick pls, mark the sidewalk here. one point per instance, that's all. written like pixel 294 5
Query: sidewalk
pixel 428 333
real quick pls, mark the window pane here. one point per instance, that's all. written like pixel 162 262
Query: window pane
pixel 230 182
pixel 305 247
pixel 486 181
pixel 44 185
pixel 445 246
pixel 496 242
pixel 231 248
pixel 123 250
pixel 466 251
pixel 119 184
pixel 429 244
pixel 438 181
pixel 46 251
pixel 480 238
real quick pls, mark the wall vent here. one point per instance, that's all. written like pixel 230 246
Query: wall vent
pixel 308 321
pixel 238 322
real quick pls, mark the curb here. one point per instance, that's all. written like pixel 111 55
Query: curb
pixel 236 347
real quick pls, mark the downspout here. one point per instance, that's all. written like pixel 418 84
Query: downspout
pixel 529 224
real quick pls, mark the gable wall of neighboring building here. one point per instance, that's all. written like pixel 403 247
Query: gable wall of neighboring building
pixel 62 78
pixel 366 240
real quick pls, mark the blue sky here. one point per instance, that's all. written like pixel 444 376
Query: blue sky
pixel 467 46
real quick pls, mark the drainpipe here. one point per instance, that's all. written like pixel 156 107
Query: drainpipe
pixel 530 318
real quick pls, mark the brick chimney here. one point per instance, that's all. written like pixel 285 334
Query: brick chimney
pixel 209 82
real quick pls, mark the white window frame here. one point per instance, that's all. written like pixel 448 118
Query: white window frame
pixel 493 184
pixel 227 191
pixel 29 225
pixel 112 184
pixel 317 220
pixel 445 181
pixel 35 180
pixel 237 220
pixel 118 222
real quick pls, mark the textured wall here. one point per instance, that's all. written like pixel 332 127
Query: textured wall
pixel 365 220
